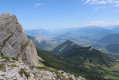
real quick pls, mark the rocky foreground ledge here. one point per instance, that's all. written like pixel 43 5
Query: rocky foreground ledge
pixel 12 69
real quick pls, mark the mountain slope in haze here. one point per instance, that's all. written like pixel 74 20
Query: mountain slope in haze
pixel 113 48
pixel 110 39
pixel 44 34
pixel 39 43
pixel 83 34
pixel 88 33
pixel 38 32
pixel 67 45
pixel 115 29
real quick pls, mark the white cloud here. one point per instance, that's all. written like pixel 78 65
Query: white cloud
pixel 95 1
pixel 101 23
pixel 94 23
pixel 100 7
pixel 37 5
pixel 116 3
pixel 92 2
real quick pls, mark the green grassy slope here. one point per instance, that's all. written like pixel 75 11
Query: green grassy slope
pixel 89 71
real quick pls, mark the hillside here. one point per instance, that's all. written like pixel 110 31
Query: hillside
pixel 110 39
pixel 102 66
pixel 39 43
pixel 88 55
pixel 39 32
pixel 65 46
pixel 72 51
pixel 113 48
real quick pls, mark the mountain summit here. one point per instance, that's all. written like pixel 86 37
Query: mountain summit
pixel 13 41
pixel 67 45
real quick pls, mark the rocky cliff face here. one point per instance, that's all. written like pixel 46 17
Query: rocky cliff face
pixel 13 41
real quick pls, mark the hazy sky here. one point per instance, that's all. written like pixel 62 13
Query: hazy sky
pixel 55 14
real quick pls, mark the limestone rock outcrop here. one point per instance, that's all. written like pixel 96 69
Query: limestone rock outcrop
pixel 12 70
pixel 13 41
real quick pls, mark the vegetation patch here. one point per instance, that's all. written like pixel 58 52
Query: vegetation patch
pixel 6 58
pixel 70 78
pixel 14 65
pixel 31 67
pixel 14 59
pixel 22 71
pixel 45 68
pixel 112 77
pixel 24 45
pixel 2 67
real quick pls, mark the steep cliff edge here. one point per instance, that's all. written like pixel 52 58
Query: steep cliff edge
pixel 13 41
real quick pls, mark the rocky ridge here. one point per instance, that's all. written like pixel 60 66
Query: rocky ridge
pixel 11 69
pixel 13 41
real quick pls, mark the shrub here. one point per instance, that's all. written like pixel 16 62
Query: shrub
pixel 22 71
pixel 2 67
pixel 14 65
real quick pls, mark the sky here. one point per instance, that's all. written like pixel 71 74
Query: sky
pixel 59 14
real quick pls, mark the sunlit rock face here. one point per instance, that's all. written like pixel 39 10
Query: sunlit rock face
pixel 13 41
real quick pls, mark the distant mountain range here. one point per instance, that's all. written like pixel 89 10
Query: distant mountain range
pixel 88 33
pixel 38 32
pixel 85 36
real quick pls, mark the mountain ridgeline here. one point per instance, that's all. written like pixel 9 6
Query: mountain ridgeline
pixel 76 53
pixel 65 46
